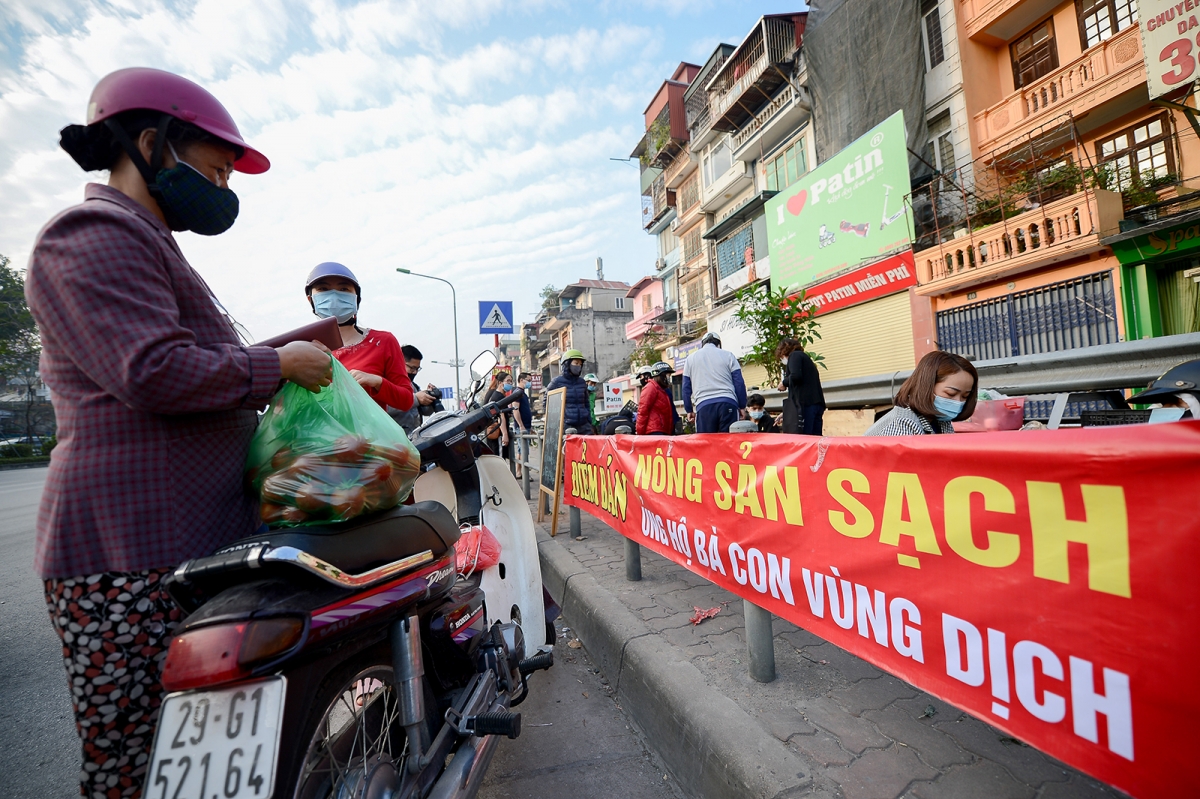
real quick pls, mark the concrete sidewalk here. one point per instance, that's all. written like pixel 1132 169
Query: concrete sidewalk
pixel 830 725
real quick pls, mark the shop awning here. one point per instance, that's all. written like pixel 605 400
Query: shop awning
pixel 746 211
pixel 1174 237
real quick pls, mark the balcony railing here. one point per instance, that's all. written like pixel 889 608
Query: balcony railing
pixel 1102 72
pixel 760 120
pixel 1070 226
pixel 643 323
pixel 752 74
pixel 661 145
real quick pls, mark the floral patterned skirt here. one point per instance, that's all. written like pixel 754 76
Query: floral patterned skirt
pixel 115 628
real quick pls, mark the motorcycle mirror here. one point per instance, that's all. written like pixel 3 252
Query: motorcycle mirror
pixel 484 363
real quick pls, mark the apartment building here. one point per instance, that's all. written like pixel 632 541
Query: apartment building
pixel 591 318
pixel 666 163
pixel 1018 257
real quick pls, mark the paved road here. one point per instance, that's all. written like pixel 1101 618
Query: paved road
pixel 575 740
pixel 39 756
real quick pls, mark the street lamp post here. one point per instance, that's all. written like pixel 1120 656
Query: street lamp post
pixel 454 300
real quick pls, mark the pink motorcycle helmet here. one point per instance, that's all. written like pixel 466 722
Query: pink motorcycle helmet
pixel 143 88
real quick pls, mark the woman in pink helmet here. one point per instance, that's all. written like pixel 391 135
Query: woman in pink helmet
pixel 155 397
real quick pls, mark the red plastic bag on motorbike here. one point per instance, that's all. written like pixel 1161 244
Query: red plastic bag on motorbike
pixel 328 457
pixel 477 549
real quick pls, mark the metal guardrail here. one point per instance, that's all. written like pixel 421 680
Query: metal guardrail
pixel 1128 364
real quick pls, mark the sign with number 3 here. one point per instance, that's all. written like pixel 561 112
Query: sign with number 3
pixel 1170 44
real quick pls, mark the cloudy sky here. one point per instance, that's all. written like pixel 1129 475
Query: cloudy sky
pixel 469 139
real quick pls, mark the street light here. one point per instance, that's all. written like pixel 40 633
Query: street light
pixel 454 300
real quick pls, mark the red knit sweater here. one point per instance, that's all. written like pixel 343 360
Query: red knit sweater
pixel 379 354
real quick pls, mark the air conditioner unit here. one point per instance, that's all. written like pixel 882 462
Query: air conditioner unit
pixel 660 264
pixel 674 224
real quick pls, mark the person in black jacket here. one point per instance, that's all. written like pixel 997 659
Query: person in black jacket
pixel 803 385
pixel 756 406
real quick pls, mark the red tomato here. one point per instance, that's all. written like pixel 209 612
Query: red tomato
pixel 282 458
pixel 305 465
pixel 350 448
pixel 271 512
pixel 312 497
pixel 377 470
pixel 294 515
pixel 279 489
pixel 398 455
pixel 348 502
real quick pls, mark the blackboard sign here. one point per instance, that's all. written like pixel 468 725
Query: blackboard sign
pixel 550 476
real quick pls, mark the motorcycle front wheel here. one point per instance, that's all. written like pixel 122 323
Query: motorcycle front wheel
pixel 356 746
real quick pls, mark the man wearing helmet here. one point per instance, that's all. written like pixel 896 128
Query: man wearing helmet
pixel 373 357
pixel 656 410
pixel 1179 386
pixel 593 386
pixel 712 379
pixel 576 412
pixel 155 396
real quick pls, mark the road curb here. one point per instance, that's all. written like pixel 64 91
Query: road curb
pixel 711 746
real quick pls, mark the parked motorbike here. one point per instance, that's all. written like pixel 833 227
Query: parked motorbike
pixel 351 660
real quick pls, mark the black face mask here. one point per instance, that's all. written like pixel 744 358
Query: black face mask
pixel 575 369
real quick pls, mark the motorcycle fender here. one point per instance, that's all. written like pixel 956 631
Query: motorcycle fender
pixel 435 485
pixel 512 588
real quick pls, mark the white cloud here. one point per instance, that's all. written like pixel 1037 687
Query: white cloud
pixel 401 134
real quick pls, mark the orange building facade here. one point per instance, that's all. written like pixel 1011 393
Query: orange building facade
pixel 1011 255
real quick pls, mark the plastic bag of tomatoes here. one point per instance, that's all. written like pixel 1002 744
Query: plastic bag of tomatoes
pixel 328 457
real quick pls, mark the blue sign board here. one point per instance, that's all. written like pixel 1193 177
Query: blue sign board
pixel 447 392
pixel 495 316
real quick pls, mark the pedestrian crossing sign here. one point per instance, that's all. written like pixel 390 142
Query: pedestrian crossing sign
pixel 495 317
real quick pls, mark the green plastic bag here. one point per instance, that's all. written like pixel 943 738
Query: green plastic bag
pixel 328 457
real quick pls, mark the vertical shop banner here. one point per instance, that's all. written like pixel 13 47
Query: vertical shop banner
pixel 1169 45
pixel 847 210
pixel 1043 581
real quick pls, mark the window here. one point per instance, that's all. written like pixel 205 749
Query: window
pixel 692 244
pixel 619 303
pixel 940 150
pixel 717 161
pixel 1034 55
pixel 695 294
pixel 1139 153
pixel 786 168
pixel 932 31
pixel 689 192
pixel 1100 19
pixel 735 250
pixel 647 305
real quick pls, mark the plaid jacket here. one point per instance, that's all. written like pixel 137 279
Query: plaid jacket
pixel 154 394
pixel 905 422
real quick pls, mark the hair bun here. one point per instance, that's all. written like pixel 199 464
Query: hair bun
pixel 91 146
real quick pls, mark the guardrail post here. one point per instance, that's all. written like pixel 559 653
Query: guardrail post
pixel 525 478
pixel 573 516
pixel 760 642
pixel 633 561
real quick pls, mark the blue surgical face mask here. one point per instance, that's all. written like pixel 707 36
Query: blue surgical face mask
pixel 340 304
pixel 508 386
pixel 528 385
pixel 947 409
pixel 756 414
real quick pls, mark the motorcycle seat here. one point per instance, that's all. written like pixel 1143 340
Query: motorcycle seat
pixel 367 542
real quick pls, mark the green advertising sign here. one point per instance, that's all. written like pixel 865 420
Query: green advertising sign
pixel 847 210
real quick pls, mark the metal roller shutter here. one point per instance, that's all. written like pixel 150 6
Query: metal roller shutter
pixel 867 339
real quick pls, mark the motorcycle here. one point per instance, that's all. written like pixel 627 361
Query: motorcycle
pixel 352 660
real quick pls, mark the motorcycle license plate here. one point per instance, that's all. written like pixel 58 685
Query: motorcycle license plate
pixel 219 744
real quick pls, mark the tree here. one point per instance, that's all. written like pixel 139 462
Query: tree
pixel 648 351
pixel 772 316
pixel 20 347
pixel 549 299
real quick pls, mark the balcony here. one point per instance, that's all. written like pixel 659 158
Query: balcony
pixel 998 21
pixel 777 120
pixel 663 200
pixel 1062 229
pixel 643 324
pixel 751 76
pixel 678 170
pixel 1098 76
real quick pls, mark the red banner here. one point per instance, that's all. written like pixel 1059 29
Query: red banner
pixel 1040 580
pixel 868 283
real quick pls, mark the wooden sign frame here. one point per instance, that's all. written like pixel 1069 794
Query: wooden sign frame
pixel 552 436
